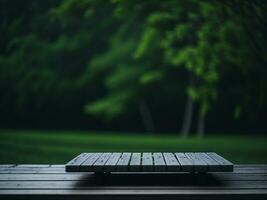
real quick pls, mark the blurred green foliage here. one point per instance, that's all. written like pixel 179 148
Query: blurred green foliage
pixel 109 58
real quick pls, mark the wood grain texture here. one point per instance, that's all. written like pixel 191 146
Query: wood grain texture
pixel 135 163
pixel 99 164
pixel 171 162
pixel 148 162
pixel 110 165
pixel 74 164
pixel 123 163
pixel 88 163
pixel 198 164
pixel 213 165
pixel 159 163
pixel 226 165
pixel 242 183
pixel 185 162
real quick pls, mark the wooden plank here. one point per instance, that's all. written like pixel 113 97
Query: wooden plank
pixel 56 165
pixel 225 164
pixel 62 166
pixel 135 163
pixel 78 185
pixel 32 168
pixel 185 162
pixel 88 163
pixel 171 162
pixel 44 177
pixel 221 176
pixel 213 165
pixel 6 171
pixel 62 171
pixel 121 193
pixel 112 161
pixel 254 170
pixel 199 164
pixel 74 164
pixel 32 165
pixel 98 166
pixel 159 163
pixel 237 170
pixel 123 162
pixel 251 165
pixel 87 184
pixel 7 166
pixel 147 161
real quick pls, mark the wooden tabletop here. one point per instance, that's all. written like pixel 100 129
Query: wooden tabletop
pixel 53 182
pixel 149 162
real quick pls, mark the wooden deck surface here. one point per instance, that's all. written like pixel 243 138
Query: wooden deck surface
pixel 52 182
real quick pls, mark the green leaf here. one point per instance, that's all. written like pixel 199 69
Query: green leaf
pixel 150 77
pixel 109 107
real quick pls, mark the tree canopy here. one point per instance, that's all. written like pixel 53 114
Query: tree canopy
pixel 108 59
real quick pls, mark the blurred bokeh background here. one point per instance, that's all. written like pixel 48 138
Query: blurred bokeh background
pixel 132 75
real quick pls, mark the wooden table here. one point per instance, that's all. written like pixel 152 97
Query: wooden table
pixel 194 162
pixel 52 182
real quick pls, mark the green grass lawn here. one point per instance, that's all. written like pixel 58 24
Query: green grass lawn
pixel 57 147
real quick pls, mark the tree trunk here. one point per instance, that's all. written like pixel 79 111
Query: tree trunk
pixel 189 110
pixel 146 116
pixel 201 125
pixel 188 115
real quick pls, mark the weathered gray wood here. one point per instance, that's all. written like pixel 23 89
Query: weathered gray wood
pixel 112 161
pixel 147 161
pixel 123 162
pixel 62 166
pixel 185 162
pixel 159 163
pixel 85 184
pixel 213 165
pixel 199 164
pixel 100 162
pixel 38 166
pixel 135 163
pixel 222 176
pixel 171 162
pixel 34 165
pixel 88 163
pixel 43 177
pixel 55 165
pixel 7 166
pixel 225 164
pixel 74 164
pixel 30 169
pixel 239 171
pixel 251 165
pixel 78 185
pixel 60 169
